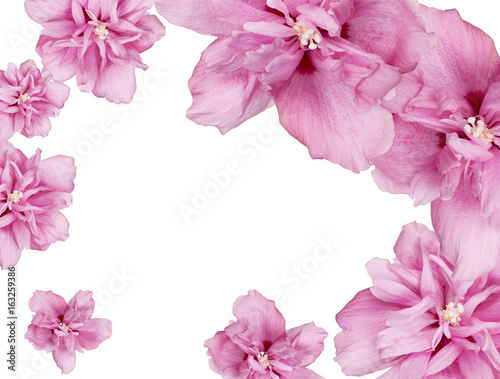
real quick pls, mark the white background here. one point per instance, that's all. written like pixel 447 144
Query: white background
pixel 168 282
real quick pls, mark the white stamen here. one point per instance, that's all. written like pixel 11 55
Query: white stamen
pixel 452 313
pixel 308 38
pixel 476 127
pixel 24 97
pixel 264 359
pixel 101 31
pixel 63 327
pixel 15 197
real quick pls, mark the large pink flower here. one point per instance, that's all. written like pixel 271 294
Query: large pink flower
pixel 63 328
pixel 32 193
pixel 98 41
pixel 419 320
pixel 446 148
pixel 318 61
pixel 257 345
pixel 27 100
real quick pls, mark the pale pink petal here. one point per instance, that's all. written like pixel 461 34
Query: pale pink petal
pixel 116 83
pixel 391 29
pixel 193 14
pixel 468 237
pixel 448 64
pixel 94 332
pixel 48 304
pixel 10 252
pixel 6 126
pixel 413 151
pixel 472 367
pixel 357 352
pixel 226 356
pixel 490 183
pixel 52 227
pixel 225 100
pixel 44 10
pixel 263 320
pixel 65 359
pixel 82 301
pixel 58 173
pixel 333 128
pixel 308 339
pixel 41 338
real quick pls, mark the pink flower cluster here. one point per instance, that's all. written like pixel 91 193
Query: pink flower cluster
pixel 64 328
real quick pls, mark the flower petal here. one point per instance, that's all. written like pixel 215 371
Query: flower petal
pixel 322 115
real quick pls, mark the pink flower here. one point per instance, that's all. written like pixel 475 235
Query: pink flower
pixel 63 328
pixel 419 320
pixel 257 345
pixel 318 61
pixel 32 193
pixel 98 41
pixel 446 148
pixel 27 100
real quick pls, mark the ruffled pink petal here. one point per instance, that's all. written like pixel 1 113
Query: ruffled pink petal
pixel 42 11
pixel 65 359
pixel 52 227
pixel 48 303
pixel 413 152
pixel 193 14
pixel 468 237
pixel 298 373
pixel 93 333
pixel 10 251
pixel 308 340
pixel 392 29
pixel 321 113
pixel 116 83
pixel 472 366
pixel 226 356
pixel 490 183
pixel 362 319
pixel 449 64
pixel 58 173
pixel 7 128
pixel 264 322
pixel 239 12
pixel 41 338
pixel 83 302
pixel 225 100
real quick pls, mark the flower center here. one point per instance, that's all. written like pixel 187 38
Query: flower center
pixel 308 38
pixel 264 359
pixel 452 313
pixel 15 197
pixel 101 31
pixel 476 127
pixel 24 97
pixel 63 327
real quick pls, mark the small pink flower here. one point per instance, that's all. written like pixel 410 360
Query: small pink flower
pixel 32 193
pixel 324 64
pixel 27 100
pixel 418 320
pixel 257 345
pixel 63 328
pixel 98 41
pixel 446 149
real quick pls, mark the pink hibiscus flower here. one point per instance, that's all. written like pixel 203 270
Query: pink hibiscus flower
pixel 27 100
pixel 257 345
pixel 98 41
pixel 63 328
pixel 420 321
pixel 318 61
pixel 446 148
pixel 32 193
